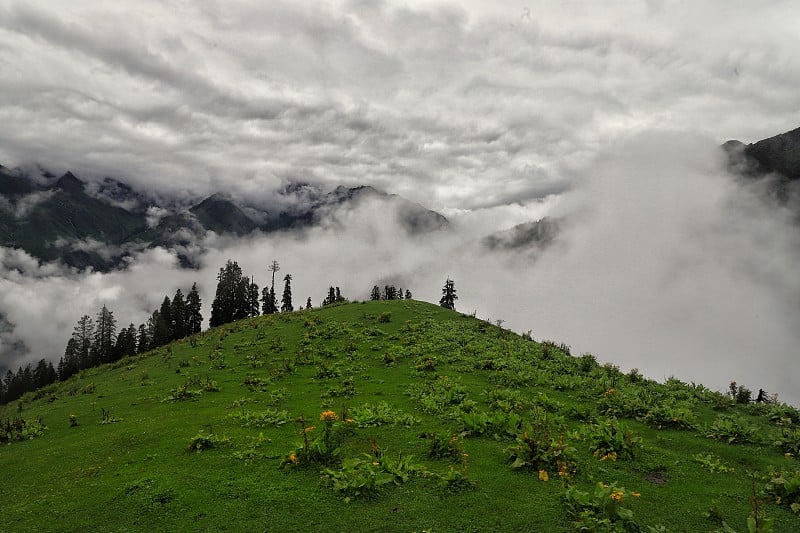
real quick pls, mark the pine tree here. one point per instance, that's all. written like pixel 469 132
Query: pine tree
pixel 83 335
pixel 308 303
pixel 126 342
pixel 376 293
pixel 286 299
pixel 71 362
pixel 408 294
pixel 163 326
pixel 143 339
pixel 178 314
pixel 105 335
pixel 449 297
pixel 252 299
pixel 194 318
pixel 331 298
pixel 230 301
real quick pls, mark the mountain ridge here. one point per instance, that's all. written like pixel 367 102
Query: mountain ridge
pixel 65 219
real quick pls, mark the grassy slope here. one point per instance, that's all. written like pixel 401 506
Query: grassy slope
pixel 137 474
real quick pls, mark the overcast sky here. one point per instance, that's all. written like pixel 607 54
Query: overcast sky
pixel 493 113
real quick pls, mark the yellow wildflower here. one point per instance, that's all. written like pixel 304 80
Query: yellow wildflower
pixel 543 475
pixel 328 416
pixel 610 455
pixel 308 429
pixel 635 494
pixel 617 495
pixel 293 457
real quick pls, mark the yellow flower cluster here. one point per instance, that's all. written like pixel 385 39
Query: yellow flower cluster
pixel 293 458
pixel 610 455
pixel 543 475
pixel 609 392
pixel 618 494
pixel 328 416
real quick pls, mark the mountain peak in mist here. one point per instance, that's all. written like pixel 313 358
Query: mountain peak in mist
pixel 69 183
pixel 776 155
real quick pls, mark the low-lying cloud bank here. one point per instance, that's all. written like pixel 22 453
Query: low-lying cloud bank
pixel 664 263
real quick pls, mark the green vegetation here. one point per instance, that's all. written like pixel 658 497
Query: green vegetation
pixel 389 415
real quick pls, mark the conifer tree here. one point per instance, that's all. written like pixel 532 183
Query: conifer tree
pixel 286 299
pixel 83 334
pixel 105 335
pixel 376 293
pixel 143 339
pixel 449 297
pixel 252 299
pixel 163 326
pixel 230 301
pixel 408 294
pixel 331 298
pixel 194 317
pixel 308 303
pixel 178 314
pixel 70 363
pixel 126 342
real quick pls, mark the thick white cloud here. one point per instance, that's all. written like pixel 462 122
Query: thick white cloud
pixel 457 104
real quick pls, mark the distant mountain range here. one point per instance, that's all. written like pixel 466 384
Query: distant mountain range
pixel 99 225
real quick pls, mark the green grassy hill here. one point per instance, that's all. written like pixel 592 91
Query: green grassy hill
pixel 416 418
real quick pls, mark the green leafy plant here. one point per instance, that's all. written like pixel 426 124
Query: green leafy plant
pixel 610 439
pixel 784 487
pixel 603 509
pixel 789 440
pixel 256 383
pixel 261 419
pixel 358 477
pixel 671 415
pixel 320 447
pixel 456 480
pixel 437 395
pixel 537 450
pixel 446 446
pixel 206 441
pixel 18 428
pixel 373 415
pixel 182 393
pixel 732 430
pixel 712 463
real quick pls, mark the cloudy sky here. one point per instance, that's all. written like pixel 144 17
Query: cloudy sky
pixel 493 113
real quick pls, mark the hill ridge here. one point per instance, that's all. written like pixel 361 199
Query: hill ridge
pixel 418 382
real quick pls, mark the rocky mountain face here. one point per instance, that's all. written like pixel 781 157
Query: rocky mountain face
pixel 98 225
pixel 777 158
